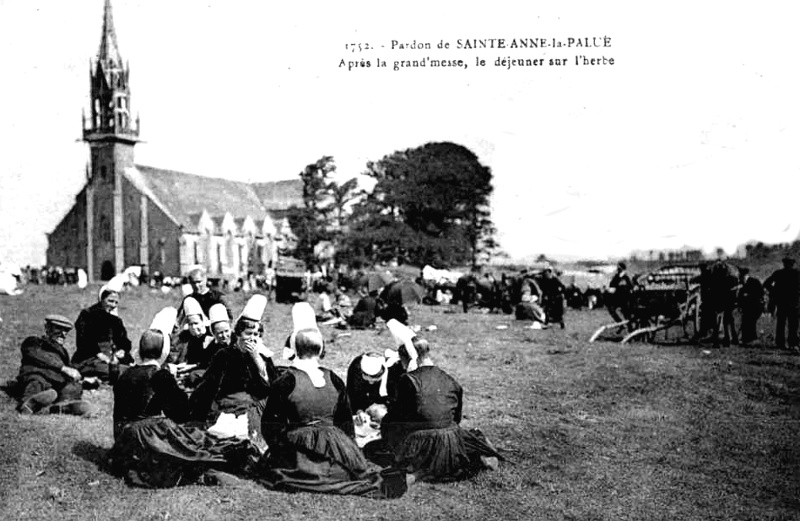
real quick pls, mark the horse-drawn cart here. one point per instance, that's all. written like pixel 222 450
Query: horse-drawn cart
pixel 661 301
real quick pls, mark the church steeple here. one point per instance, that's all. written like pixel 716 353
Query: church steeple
pixel 111 133
pixel 110 114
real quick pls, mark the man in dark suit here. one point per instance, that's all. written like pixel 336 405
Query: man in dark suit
pixel 784 290
pixel 46 381
pixel 751 304
pixel 620 290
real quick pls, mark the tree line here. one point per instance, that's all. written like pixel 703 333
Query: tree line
pixel 428 205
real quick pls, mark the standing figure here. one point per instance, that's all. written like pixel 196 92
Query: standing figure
pixel 101 337
pixel 620 290
pixel 724 284
pixel 751 304
pixel 467 289
pixel 784 290
pixel 309 427
pixel 46 381
pixel 707 316
pixel 553 291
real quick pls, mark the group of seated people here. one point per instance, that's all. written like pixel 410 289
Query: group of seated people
pixel 199 398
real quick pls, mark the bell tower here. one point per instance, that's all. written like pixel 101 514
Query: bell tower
pixel 111 133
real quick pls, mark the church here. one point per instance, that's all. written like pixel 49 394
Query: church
pixel 166 221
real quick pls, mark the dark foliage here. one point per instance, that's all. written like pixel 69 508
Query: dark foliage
pixel 430 205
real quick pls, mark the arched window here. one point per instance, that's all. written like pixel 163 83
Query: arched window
pixel 229 249
pixel 105 228
pixel 162 252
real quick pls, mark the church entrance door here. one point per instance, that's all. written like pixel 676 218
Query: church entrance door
pixel 107 270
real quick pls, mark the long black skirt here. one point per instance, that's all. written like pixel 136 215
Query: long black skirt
pixel 446 454
pixel 159 453
pixel 324 459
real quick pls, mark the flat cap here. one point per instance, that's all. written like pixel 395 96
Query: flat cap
pixel 58 320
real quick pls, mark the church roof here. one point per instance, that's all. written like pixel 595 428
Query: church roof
pixel 280 195
pixel 184 196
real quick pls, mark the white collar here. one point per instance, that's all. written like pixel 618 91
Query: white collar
pixel 310 366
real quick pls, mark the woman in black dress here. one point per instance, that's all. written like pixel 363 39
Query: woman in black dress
pixel 422 428
pixel 309 427
pixel 238 378
pixel 100 336
pixel 151 448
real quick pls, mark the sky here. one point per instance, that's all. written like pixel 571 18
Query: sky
pixel 688 139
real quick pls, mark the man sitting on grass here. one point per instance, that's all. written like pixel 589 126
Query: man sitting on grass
pixel 46 382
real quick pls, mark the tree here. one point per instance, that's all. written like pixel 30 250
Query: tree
pixel 342 195
pixel 430 204
pixel 310 222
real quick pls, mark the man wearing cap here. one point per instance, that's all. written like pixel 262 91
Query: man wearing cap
pixel 783 287
pixel 751 304
pixel 101 337
pixel 46 381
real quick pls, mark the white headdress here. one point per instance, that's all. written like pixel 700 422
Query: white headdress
pixel 217 313
pixel 164 321
pixel 403 335
pixel 303 317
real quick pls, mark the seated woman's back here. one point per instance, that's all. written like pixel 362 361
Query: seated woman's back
pixel 429 395
pixel 145 391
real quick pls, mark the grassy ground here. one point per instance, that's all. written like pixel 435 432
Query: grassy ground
pixel 591 431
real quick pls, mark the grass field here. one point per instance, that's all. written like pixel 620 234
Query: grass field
pixel 590 431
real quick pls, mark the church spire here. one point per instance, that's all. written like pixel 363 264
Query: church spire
pixel 110 114
pixel 109 50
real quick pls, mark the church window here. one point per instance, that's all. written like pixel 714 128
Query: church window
pixel 103 172
pixel 219 257
pixel 229 248
pixel 241 258
pixel 196 253
pixel 105 228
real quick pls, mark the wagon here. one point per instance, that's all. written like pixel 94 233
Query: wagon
pixel 663 301
pixel 290 280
